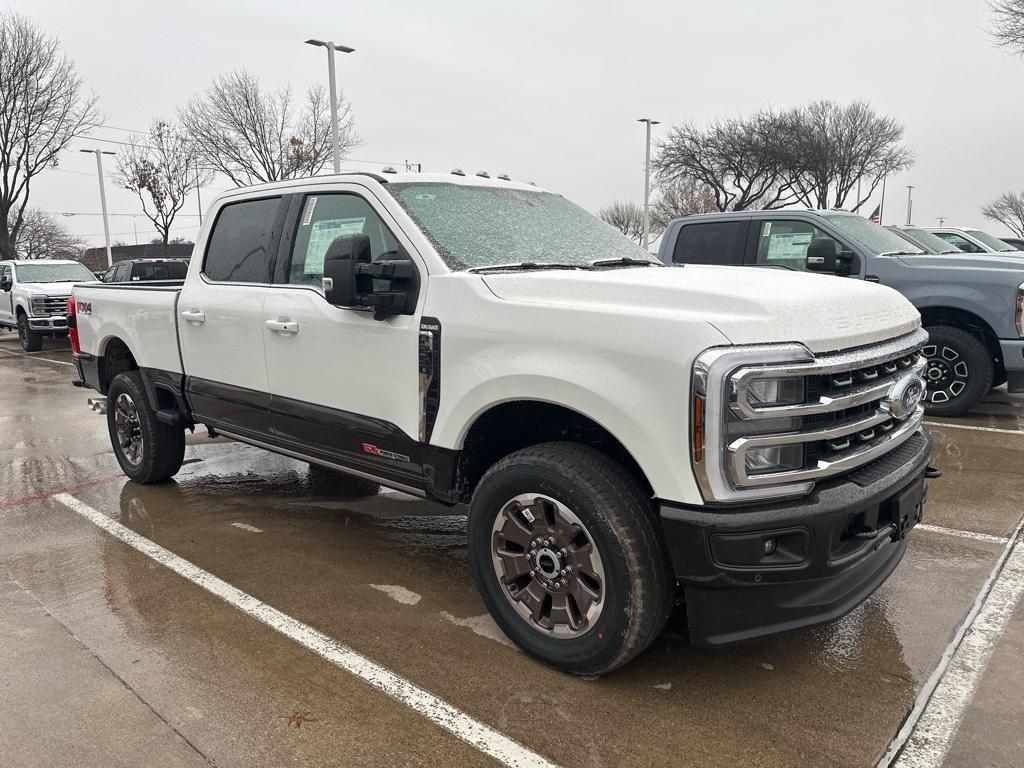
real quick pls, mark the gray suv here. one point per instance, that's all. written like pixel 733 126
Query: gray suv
pixel 972 305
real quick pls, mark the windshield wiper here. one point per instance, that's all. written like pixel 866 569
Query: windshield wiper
pixel 902 253
pixel 523 266
pixel 625 261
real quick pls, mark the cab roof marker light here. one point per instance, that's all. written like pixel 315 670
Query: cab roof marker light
pixel 389 169
pixel 458 172
pixel 505 177
pixel 483 174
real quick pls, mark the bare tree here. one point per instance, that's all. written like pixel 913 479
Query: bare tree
pixel 1008 24
pixel 681 198
pixel 1008 210
pixel 40 236
pixel 252 135
pixel 42 109
pixel 162 169
pixel 826 148
pixel 625 216
pixel 738 159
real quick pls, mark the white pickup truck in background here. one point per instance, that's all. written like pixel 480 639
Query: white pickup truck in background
pixel 34 296
pixel 626 434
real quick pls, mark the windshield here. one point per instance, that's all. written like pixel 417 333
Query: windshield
pixel 929 241
pixel 474 227
pixel 986 239
pixel 44 272
pixel 875 238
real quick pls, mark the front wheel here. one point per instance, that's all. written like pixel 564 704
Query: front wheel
pixel 568 557
pixel 148 450
pixel 959 371
pixel 30 340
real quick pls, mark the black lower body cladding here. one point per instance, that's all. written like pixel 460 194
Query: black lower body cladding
pixel 753 571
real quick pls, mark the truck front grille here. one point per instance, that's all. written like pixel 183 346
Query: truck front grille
pixel 50 305
pixel 850 415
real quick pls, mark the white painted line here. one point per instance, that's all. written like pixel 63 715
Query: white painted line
pixel 973 428
pixel 35 357
pixel 401 594
pixel 928 731
pixel 455 721
pixel 963 534
pixel 247 527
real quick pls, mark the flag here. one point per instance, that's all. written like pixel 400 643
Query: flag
pixel 877 215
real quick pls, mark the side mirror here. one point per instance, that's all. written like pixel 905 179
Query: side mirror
pixel 847 262
pixel 351 279
pixel 5 284
pixel 821 255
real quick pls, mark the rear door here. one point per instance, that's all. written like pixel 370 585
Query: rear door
pixel 220 316
pixel 344 385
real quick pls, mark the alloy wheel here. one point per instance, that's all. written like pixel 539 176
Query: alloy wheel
pixel 128 428
pixel 946 373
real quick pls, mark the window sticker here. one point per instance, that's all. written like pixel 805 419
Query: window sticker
pixel 321 237
pixel 308 215
pixel 788 245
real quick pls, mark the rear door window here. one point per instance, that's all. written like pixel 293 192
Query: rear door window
pixel 239 250
pixel 713 242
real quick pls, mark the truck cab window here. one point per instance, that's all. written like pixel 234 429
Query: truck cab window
pixel 239 247
pixel 325 217
pixel 962 243
pixel 784 243
pixel 715 242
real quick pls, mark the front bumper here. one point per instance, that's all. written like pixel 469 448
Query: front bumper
pixel 51 324
pixel 758 570
pixel 1013 362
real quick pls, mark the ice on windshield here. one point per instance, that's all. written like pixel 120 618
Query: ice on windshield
pixel 473 227
pixel 52 273
pixel 875 238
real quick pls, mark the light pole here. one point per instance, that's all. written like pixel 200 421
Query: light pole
pixel 941 219
pixel 910 203
pixel 647 179
pixel 103 198
pixel 331 48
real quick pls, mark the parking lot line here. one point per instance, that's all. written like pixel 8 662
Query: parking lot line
pixel 974 428
pixel 963 534
pixel 34 357
pixel 455 721
pixel 928 731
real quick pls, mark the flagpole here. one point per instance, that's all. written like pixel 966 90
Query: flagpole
pixel 881 207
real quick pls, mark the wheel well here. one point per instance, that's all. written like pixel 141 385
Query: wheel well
pixel 967 321
pixel 116 358
pixel 509 427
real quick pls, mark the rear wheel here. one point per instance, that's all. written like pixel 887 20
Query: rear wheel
pixel 148 450
pixel 30 340
pixel 959 371
pixel 568 557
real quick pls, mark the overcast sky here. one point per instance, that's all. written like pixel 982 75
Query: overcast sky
pixel 550 91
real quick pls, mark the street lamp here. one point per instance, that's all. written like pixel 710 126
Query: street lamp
pixel 910 203
pixel 942 220
pixel 331 48
pixel 103 198
pixel 647 179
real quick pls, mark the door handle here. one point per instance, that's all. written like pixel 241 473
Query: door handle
pixel 282 326
pixel 194 316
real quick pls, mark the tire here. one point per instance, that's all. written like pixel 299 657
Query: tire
pixel 613 517
pixel 324 481
pixel 959 373
pixel 160 449
pixel 30 340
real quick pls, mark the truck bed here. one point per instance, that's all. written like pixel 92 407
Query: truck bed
pixel 142 315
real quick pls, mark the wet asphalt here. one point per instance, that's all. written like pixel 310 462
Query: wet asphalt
pixel 109 658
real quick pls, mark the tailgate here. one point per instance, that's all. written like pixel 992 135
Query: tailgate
pixel 142 318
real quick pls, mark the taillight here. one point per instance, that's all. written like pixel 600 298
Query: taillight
pixel 72 320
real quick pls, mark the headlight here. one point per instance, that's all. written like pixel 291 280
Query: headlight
pixel 1018 313
pixel 775 392
pixel 775 458
pixel 38 305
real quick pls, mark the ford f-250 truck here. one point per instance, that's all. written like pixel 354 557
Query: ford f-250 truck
pixel 972 305
pixel 34 296
pixel 625 434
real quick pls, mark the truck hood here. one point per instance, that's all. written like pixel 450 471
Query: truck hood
pixel 1013 260
pixel 748 305
pixel 50 289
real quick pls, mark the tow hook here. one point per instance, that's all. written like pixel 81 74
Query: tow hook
pixel 97 404
pixel 932 472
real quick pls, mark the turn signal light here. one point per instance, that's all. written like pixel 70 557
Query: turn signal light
pixel 72 319
pixel 697 429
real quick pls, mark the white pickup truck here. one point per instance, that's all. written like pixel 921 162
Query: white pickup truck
pixel 626 435
pixel 34 296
